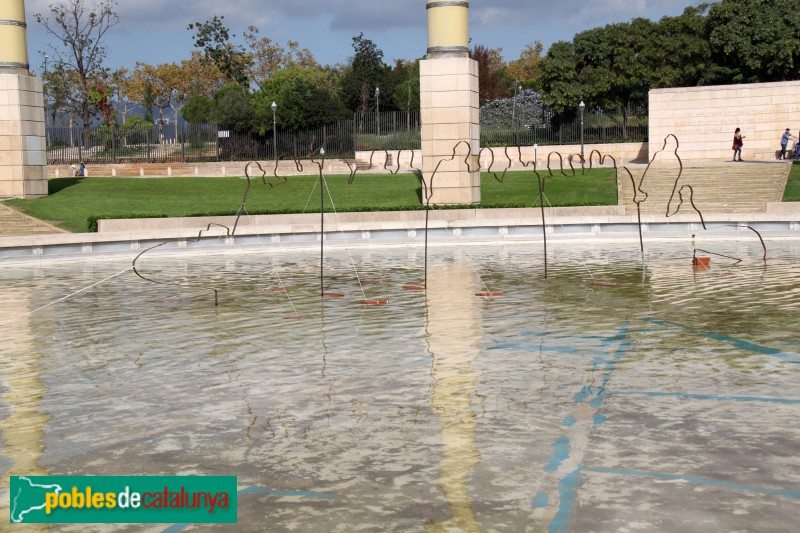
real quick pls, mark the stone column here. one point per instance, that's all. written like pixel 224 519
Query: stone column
pixel 23 160
pixel 449 107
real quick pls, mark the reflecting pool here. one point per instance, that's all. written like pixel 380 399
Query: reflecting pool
pixel 619 394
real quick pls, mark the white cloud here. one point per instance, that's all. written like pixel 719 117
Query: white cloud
pixel 326 26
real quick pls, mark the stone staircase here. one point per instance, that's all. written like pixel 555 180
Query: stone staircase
pixel 14 224
pixel 718 187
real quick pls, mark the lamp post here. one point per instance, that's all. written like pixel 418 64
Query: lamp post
pixel 581 106
pixel 44 92
pixel 274 107
pixel 322 224
pixel 378 106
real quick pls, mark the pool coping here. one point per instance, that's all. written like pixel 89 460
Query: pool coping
pixel 402 228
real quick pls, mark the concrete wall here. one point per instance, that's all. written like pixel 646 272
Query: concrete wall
pixel 704 119
pixel 204 170
pixel 622 152
pixel 362 221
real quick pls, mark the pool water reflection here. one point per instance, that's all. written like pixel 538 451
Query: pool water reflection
pixel 665 400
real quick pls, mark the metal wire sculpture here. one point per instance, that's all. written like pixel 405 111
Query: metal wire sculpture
pixel 680 192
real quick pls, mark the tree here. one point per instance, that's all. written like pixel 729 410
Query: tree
pixel 756 39
pixel 102 98
pixel 147 98
pixel 160 80
pixel 198 109
pixel 677 53
pixel 232 109
pixel 305 104
pixel 304 97
pixel 608 71
pixel 491 73
pixel 610 67
pixel 406 84
pixel 270 57
pixel 213 37
pixel 122 95
pixel 525 70
pixel 200 77
pixel 64 99
pixel 366 72
pixel 81 30
pixel 558 79
pixel 192 77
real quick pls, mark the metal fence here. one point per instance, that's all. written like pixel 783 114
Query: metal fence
pixel 547 128
pixel 135 144
pixel 393 130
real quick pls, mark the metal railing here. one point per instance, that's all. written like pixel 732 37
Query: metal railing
pixel 547 128
pixel 392 130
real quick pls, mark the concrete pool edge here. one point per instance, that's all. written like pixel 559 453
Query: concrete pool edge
pixel 402 228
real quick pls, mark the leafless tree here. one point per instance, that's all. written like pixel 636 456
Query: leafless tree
pixel 80 27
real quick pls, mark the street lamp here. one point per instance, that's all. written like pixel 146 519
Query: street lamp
pixel 581 106
pixel 44 89
pixel 378 106
pixel 274 107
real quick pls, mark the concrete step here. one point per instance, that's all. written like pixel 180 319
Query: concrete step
pixel 14 223
pixel 731 188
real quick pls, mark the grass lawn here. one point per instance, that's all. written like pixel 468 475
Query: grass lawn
pixel 73 200
pixel 792 192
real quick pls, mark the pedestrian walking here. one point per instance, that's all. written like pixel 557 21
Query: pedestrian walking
pixel 737 143
pixel 787 136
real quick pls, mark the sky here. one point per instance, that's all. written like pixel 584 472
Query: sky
pixel 154 31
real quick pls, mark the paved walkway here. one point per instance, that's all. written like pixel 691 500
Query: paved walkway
pixel 13 224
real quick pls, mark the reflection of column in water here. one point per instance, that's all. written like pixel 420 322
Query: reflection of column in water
pixel 454 331
pixel 23 428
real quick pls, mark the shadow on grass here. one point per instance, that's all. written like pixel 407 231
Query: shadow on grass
pixel 59 184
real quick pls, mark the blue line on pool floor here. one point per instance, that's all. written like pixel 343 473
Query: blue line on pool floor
pixel 562 447
pixel 692 479
pixel 738 343
pixel 653 394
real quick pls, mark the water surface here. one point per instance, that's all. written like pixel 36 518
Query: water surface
pixel 663 399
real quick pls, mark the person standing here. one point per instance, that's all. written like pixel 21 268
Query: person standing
pixel 737 143
pixel 787 136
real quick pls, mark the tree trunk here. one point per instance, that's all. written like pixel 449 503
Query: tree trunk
pixel 175 111
pixel 85 116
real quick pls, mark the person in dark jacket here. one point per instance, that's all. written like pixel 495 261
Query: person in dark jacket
pixel 737 144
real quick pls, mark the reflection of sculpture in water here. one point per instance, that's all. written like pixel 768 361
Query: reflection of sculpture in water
pixel 453 334
pixel 23 428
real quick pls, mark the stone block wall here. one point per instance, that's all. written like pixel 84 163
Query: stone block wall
pixel 23 162
pixel 450 117
pixel 704 119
